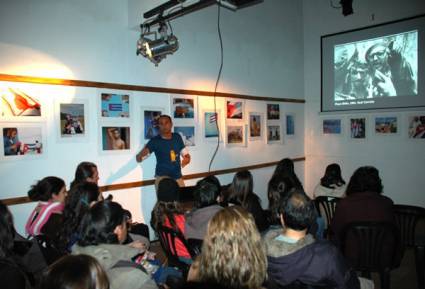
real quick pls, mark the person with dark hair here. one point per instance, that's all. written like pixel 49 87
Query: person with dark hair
pixel 286 170
pixel 168 148
pixel 331 184
pixel 294 255
pixel 46 218
pixel 86 172
pixel 102 232
pixel 11 142
pixel 75 272
pixel 241 193
pixel 167 212
pixel 364 201
pixel 80 198
pixel 206 194
pixel 12 273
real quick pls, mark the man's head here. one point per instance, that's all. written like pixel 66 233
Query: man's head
pixel 165 124
pixel 206 192
pixel 358 74
pixel 377 56
pixel 297 211
pixel 117 134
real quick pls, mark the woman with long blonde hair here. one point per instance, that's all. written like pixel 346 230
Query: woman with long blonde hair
pixel 233 255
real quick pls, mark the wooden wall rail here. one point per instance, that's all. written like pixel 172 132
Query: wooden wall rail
pixel 109 85
pixel 107 188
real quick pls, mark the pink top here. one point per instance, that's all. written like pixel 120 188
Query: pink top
pixel 40 215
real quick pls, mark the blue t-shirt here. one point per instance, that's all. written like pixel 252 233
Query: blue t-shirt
pixel 167 153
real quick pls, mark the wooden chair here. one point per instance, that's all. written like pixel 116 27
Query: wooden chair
pixel 407 219
pixel 372 247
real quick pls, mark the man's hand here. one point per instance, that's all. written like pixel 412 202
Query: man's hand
pixel 185 160
pixel 385 84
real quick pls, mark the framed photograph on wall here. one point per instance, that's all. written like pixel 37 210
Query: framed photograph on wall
pixel 20 105
pixel 332 126
pixel 290 124
pixel 256 124
pixel 386 125
pixel 358 128
pixel 273 111
pixel 115 105
pixel 183 107
pixel 235 135
pixel 212 128
pixel 235 109
pixel 416 125
pixel 71 120
pixel 23 141
pixel 115 138
pixel 150 117
pixel 274 133
pixel 187 133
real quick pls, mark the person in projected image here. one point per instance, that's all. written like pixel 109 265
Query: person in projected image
pixel 357 84
pixel 391 73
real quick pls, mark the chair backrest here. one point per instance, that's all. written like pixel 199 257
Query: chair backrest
pixel 168 238
pixel 371 246
pixel 407 218
pixel 325 206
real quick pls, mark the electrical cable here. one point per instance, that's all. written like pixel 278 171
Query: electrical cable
pixel 216 85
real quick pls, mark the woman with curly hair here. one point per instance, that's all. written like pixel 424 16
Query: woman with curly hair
pixel 233 255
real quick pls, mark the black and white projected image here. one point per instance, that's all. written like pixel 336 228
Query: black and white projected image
pixel 379 67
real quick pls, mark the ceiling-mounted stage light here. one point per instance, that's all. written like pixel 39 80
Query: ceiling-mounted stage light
pixel 156 49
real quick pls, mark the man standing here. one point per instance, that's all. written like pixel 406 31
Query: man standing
pixel 168 147
pixel 115 140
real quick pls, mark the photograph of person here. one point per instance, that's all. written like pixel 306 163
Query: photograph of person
pixel 115 105
pixel 235 134
pixel 273 111
pixel 183 108
pixel 151 118
pixel 22 141
pixel 358 128
pixel 234 109
pixel 386 125
pixel 115 138
pixel 386 66
pixel 71 118
pixel 417 126
pixel 273 133
pixel 255 125
pixel 187 134
pixel 15 102
pixel 331 126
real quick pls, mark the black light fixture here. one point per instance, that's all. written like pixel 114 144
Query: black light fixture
pixel 347 7
pixel 155 46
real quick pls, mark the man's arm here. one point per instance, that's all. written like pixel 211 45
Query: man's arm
pixel 144 153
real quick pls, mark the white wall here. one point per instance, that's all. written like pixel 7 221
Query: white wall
pixel 96 40
pixel 399 159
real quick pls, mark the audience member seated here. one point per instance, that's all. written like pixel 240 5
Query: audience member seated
pixel 295 256
pixel 233 255
pixel 168 213
pixel 332 184
pixel 241 193
pixel 205 195
pixel 286 170
pixel 78 202
pixel 46 218
pixel 75 272
pixel 103 230
pixel 86 172
pixel 13 274
pixel 364 202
